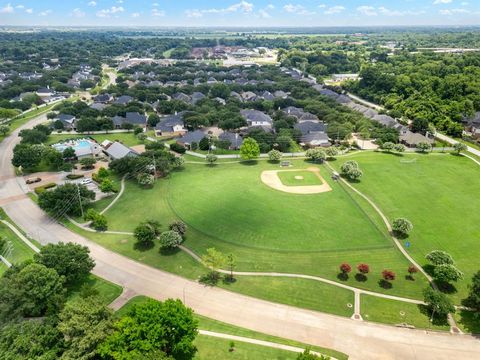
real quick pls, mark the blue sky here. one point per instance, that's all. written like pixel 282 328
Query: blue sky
pixel 239 12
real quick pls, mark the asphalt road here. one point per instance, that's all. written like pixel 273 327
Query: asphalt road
pixel 361 340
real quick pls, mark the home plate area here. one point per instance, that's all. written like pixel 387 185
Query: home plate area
pixel 282 180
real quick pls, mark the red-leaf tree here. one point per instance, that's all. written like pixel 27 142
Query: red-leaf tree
pixel 345 268
pixel 412 269
pixel 388 275
pixel 363 269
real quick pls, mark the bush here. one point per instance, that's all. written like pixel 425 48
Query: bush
pixel 274 155
pixel 43 188
pixel 211 159
pixel 179 227
pixel 345 268
pixel 388 275
pixel 178 148
pixel 74 176
pixel 351 170
pixel 99 221
pixel 170 239
pixel 317 155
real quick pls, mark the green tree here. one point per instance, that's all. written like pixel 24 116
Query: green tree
pixel 68 259
pixel 170 239
pixel 27 156
pixel 402 226
pixel 331 152
pixel 249 149
pixel 424 147
pixel 274 155
pixel 98 221
pixel 438 303
pixel 400 148
pixel 420 125
pixel 31 291
pixel 88 162
pixel 145 179
pixel 214 260
pixel 4 129
pixel 307 355
pixel 142 137
pixel 27 339
pixel 231 264
pixel 66 199
pixel 447 273
pixel 179 226
pixel 473 298
pixel 316 155
pixel 178 162
pixel 107 186
pixel 69 153
pixel 168 327
pixel 146 233
pixel 351 170
pixel 388 146
pixel 204 144
pixel 85 324
pixel 459 147
pixel 439 257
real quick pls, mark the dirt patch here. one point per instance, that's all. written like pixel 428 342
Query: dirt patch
pixel 271 179
pixel 298 177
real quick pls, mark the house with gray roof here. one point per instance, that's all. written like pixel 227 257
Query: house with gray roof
pixel 68 121
pixel 136 119
pixel 267 95
pixel 256 118
pixel 171 125
pixel 118 151
pixel 191 137
pixel 412 139
pixel 123 100
pixel 234 139
pixel 315 139
pixel 103 98
pixel 182 97
pixel 196 97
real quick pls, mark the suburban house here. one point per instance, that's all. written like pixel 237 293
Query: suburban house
pixel 235 140
pixel 103 98
pixel 182 97
pixel 45 92
pixel 133 118
pixel 117 150
pixel 171 125
pixel 473 125
pixel 196 97
pixel 68 121
pixel 412 139
pixel 123 100
pixel 300 114
pixel 313 133
pixel 191 137
pixel 343 77
pixel 256 118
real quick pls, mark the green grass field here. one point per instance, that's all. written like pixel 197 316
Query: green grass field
pixel 397 312
pixel 299 178
pixel 224 328
pixel 436 192
pixel 19 250
pixel 106 291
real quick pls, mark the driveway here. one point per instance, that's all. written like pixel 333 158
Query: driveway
pixel 360 340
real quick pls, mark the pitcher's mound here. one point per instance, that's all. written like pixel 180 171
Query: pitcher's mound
pixel 271 179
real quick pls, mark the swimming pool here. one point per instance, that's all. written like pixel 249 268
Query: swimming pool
pixel 75 144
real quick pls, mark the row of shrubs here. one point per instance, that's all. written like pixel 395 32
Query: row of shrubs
pixel 43 188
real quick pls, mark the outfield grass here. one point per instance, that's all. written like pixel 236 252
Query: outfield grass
pixel 128 139
pixel 299 178
pixel 436 192
pixel 224 328
pixel 397 312
pixel 254 211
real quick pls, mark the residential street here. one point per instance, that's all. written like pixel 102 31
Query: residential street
pixel 360 340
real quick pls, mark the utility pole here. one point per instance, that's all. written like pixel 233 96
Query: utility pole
pixel 154 165
pixel 80 199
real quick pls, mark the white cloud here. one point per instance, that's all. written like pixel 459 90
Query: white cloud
pixel 270 6
pixel 8 9
pixel 92 3
pixel 334 9
pixel 29 11
pixel 78 13
pixel 367 10
pixel 243 6
pixel 436 2
pixel 45 13
pixel 297 9
pixel 155 5
pixel 19 7
pixel 453 11
pixel 109 12
pixel 136 15
pixel 156 12
pixel 322 6
pixel 264 14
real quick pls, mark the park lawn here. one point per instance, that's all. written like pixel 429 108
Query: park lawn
pixel 153 204
pixel 299 178
pixel 20 251
pixel 467 322
pixel 324 297
pixel 224 328
pixel 436 192
pixel 211 348
pixel 391 312
pixel 107 291
pixel 127 138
